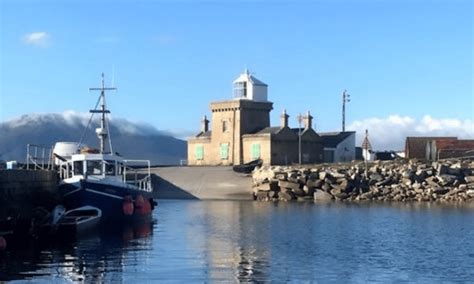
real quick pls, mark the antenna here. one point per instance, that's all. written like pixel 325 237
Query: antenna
pixel 102 132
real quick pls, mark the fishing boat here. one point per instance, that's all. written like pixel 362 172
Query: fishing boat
pixel 120 188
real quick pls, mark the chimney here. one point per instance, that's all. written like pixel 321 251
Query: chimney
pixel 284 119
pixel 308 121
pixel 204 124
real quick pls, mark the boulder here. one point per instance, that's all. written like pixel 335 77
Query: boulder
pixel 320 195
pixel 286 196
pixel 288 184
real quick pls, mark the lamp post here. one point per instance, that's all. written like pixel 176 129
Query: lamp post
pixel 300 119
pixel 345 99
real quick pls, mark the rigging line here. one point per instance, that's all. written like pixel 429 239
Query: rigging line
pixel 108 132
pixel 110 138
pixel 90 119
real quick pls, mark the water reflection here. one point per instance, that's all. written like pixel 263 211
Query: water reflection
pixel 209 241
pixel 96 257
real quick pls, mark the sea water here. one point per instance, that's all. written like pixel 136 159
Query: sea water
pixel 232 241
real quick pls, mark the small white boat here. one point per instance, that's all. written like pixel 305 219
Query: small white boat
pixel 79 220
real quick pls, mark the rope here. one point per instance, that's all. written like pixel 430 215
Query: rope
pixel 90 119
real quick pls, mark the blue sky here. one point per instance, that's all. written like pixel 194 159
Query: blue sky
pixel 402 59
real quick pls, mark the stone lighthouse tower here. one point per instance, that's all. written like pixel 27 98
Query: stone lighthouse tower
pixel 248 111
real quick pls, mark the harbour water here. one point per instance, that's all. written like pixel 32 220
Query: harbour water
pixel 207 241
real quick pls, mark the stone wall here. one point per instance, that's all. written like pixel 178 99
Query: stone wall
pixel 400 180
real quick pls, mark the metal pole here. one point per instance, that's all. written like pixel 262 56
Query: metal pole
pixel 299 138
pixel 344 111
pixel 345 99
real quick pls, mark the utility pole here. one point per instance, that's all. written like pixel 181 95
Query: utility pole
pixel 345 99
pixel 300 118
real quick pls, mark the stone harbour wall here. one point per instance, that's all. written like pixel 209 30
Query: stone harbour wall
pixel 399 180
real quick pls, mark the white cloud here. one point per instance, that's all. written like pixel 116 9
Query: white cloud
pixel 389 133
pixel 39 39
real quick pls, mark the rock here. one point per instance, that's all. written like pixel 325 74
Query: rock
pixel 298 192
pixel 288 184
pixel 442 169
pixel 262 195
pixel 286 196
pixel 268 186
pixel 376 176
pixel 320 195
pixel 469 179
pixel 322 175
pixel 326 187
pixel 446 179
pixel 336 191
pixel 440 190
pixel 314 183
pixel 470 192
pixel 308 190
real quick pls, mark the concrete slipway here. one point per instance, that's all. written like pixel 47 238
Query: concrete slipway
pixel 201 183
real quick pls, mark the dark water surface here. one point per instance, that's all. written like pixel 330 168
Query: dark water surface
pixel 207 241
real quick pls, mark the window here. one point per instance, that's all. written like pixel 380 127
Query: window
pixel 240 90
pixel 78 167
pixel 225 151
pixel 225 126
pixel 110 168
pixel 255 151
pixel 199 152
pixel 94 167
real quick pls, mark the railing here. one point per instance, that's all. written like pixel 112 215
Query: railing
pixel 143 183
pixel 39 157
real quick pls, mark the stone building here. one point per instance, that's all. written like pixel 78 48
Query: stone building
pixel 240 131
pixel 434 148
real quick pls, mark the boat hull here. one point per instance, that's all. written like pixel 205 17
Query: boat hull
pixel 118 203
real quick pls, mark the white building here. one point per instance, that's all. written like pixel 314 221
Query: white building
pixel 338 146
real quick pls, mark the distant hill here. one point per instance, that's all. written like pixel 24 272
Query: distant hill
pixel 131 140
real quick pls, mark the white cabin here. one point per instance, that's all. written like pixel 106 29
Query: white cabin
pixel 247 87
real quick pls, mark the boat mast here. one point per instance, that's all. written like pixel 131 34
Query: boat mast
pixel 102 132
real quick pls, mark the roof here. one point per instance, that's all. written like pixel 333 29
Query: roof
pixel 204 134
pixel 270 129
pixel 246 77
pixel 332 139
pixel 266 130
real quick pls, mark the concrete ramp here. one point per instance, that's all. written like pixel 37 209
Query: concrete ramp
pixel 201 183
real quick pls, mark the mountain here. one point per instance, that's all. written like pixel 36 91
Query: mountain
pixel 131 140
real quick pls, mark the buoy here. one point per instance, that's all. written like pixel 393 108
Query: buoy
pixel 3 243
pixel 127 206
pixel 140 205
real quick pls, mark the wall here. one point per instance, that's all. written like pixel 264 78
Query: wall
pixel 23 190
pixel 265 148
pixel 345 151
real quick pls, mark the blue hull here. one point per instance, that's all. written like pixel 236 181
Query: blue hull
pixel 109 198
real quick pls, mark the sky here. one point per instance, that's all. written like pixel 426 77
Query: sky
pixel 407 65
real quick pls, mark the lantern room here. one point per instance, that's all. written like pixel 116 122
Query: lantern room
pixel 247 87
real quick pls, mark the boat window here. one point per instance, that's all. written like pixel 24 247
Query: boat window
pixel 110 168
pixel 78 167
pixel 94 167
pixel 120 168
